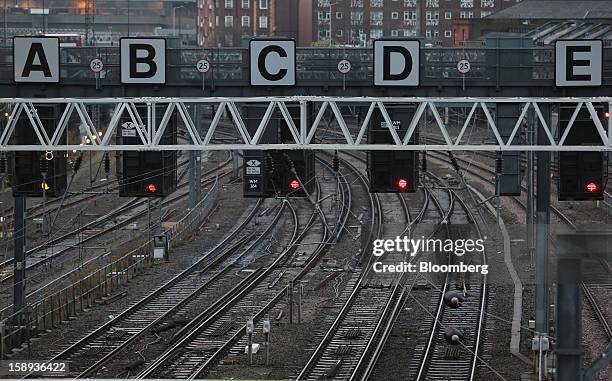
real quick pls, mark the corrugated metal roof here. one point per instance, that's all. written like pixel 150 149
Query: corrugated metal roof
pixel 557 9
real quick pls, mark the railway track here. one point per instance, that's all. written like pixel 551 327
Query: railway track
pixel 209 340
pixel 95 260
pixel 342 348
pixel 590 290
pixel 458 361
pixel 133 209
pixel 160 306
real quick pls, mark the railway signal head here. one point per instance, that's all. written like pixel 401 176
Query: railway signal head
pixel 392 171
pixel 146 173
pixel 294 184
pixel 44 186
pixel 592 187
pixel 582 175
pixel 402 185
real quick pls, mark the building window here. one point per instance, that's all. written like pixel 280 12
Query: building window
pixel 246 21
pixel 339 15
pixel 229 4
pixel 487 3
pixel 246 4
pixel 263 22
pixel 394 15
pixel 357 3
pixel 432 3
pixel 376 3
pixel 467 3
pixel 410 3
pixel 448 15
pixel 394 33
pixel 339 33
pixel 376 33
pixel 376 18
pixel 428 33
pixel 462 14
pixel 263 4
pixel 229 21
pixel 470 15
pixel 484 14
pixel 448 34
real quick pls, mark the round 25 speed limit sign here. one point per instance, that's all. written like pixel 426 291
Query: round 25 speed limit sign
pixel 96 65
pixel 344 66
pixel 464 66
pixel 203 66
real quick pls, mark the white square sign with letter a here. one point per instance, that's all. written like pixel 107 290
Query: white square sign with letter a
pixel 396 62
pixel 36 59
pixel 272 62
pixel 578 63
pixel 143 60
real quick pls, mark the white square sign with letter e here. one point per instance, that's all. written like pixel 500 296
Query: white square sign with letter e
pixel 578 63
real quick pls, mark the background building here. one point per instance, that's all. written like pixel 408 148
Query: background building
pixel 547 21
pixel 101 22
pixel 230 22
pixel 358 22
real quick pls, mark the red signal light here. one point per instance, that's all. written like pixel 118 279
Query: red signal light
pixel 592 187
pixel 402 184
pixel 151 188
pixel 294 184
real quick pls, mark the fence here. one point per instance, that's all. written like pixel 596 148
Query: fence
pixel 101 285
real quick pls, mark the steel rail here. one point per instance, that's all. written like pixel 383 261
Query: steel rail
pixel 208 260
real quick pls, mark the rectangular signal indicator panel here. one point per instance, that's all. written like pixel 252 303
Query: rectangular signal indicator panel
pixel 276 173
pixel 28 180
pixel 147 173
pixel 392 171
pixel 582 175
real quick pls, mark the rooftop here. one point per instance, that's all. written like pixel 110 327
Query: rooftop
pixel 557 9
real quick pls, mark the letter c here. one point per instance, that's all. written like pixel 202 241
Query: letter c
pixel 261 63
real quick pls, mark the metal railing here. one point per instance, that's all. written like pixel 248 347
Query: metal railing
pixel 101 285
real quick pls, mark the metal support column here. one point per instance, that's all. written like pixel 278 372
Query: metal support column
pixel 530 172
pixel 19 235
pixel 194 178
pixel 569 324
pixel 542 231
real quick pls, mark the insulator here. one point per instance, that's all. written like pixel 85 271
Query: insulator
pixel 107 167
pixel 77 163
pixel 453 161
pixel 453 336
pixel 288 161
pixel 453 299
pixel 44 165
pixel 499 165
pixel 269 163
pixel 3 164
pixel 424 162
pixel 336 162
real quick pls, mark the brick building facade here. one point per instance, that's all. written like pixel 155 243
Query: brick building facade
pixel 439 22
pixel 229 22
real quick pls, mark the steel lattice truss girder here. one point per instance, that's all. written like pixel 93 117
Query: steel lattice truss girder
pixel 303 133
